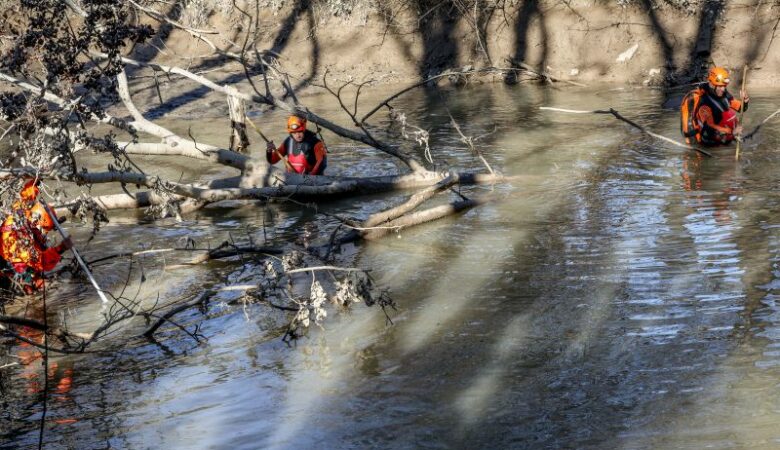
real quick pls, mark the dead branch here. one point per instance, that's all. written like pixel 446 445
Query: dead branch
pixel 65 351
pixel 761 124
pixel 336 187
pixel 23 321
pixel 323 187
pixel 184 147
pixel 238 137
pixel 633 124
pixel 420 217
pixel 543 74
pixel 278 103
pixel 203 152
pixel 413 202
pixel 329 268
pixel 169 314
pixel 60 334
pixel 65 105
pixel 173 145
pixel 228 250
pixel 192 76
pixel 469 141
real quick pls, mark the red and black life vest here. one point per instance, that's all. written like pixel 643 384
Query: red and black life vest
pixel 722 114
pixel 301 155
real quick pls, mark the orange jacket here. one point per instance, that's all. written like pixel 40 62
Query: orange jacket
pixel 24 245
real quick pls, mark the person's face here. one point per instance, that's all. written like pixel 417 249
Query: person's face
pixel 297 136
pixel 720 90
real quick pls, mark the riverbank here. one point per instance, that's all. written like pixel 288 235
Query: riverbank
pixel 636 43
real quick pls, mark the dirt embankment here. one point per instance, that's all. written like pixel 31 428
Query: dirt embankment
pixel 587 41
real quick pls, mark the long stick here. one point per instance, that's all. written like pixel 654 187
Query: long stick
pixel 75 253
pixel 747 136
pixel 630 122
pixel 276 150
pixel 741 109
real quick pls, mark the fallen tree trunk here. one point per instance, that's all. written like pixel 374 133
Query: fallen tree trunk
pixel 203 196
pixel 416 200
pixel 420 217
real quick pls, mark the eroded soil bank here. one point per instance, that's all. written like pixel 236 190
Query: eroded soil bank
pixel 625 42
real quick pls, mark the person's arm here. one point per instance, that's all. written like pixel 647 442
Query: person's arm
pixel 319 154
pixel 64 246
pixel 705 117
pixel 273 154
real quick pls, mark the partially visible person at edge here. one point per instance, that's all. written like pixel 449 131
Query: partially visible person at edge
pixel 714 117
pixel 24 247
pixel 305 153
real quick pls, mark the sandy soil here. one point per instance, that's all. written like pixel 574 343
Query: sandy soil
pixel 582 40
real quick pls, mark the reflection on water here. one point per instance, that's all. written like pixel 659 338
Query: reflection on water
pixel 622 294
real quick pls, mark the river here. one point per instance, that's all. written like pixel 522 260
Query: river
pixel 621 293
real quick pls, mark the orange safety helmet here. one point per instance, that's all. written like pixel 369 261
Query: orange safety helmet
pixel 41 218
pixel 295 124
pixel 718 76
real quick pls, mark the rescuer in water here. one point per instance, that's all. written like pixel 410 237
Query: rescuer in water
pixel 24 247
pixel 306 154
pixel 709 112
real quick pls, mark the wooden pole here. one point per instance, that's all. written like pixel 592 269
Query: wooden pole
pixel 741 110
pixel 75 252
pixel 276 150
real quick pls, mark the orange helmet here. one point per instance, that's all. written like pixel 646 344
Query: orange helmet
pixel 39 216
pixel 718 76
pixel 295 124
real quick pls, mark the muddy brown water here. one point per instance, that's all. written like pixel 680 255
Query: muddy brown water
pixel 622 293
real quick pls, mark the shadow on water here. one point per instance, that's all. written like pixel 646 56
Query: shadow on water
pixel 621 294
pixel 630 305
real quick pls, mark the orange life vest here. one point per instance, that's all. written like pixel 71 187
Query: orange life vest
pixel 689 126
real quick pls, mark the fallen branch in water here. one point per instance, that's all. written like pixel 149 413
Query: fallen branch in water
pixel 542 74
pixel 65 351
pixel 61 334
pixel 167 317
pixel 227 250
pixel 319 187
pixel 630 122
pixel 414 201
pixel 404 215
pixel 421 217
pixel 758 127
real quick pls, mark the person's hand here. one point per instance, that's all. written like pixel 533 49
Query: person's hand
pixel 65 245
pixel 270 146
pixel 744 95
pixel 737 131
